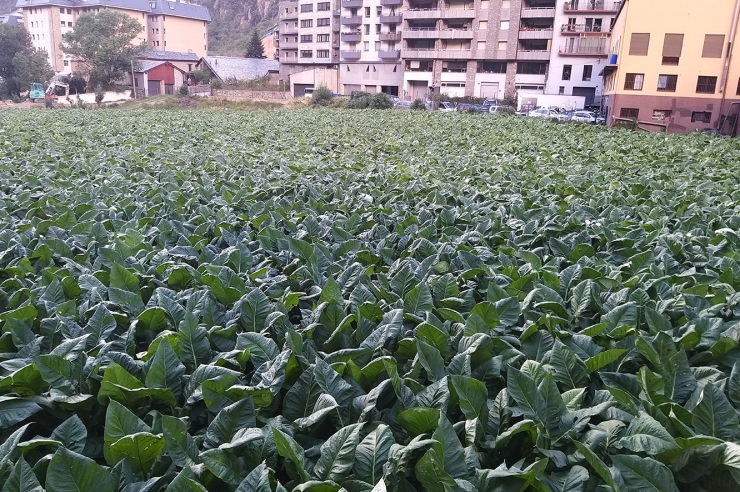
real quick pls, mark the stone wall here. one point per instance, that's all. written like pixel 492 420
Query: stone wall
pixel 253 95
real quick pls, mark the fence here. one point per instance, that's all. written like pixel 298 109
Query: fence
pixel 255 95
pixel 199 90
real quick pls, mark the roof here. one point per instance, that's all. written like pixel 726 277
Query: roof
pixel 13 18
pixel 147 65
pixel 163 7
pixel 226 67
pixel 270 32
pixel 168 56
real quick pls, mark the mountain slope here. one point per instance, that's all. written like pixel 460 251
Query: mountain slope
pixel 233 22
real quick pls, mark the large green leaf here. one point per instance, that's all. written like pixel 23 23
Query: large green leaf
pixel 644 474
pixel 229 420
pixel 178 444
pixel 165 369
pixel 119 423
pixel 523 390
pixel 647 435
pixel 15 410
pixel 72 472
pixel 71 433
pixel 258 480
pixel 288 448
pixel 141 449
pixel 714 415
pixel 192 342
pixel 472 395
pixel 338 454
pixel 22 479
pixel 372 453
pixel 419 420
pixel 224 464
pixel 568 369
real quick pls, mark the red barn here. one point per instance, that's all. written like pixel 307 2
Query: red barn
pixel 158 77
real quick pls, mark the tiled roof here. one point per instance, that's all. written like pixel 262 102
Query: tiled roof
pixel 147 65
pixel 226 67
pixel 13 18
pixel 164 7
pixel 168 56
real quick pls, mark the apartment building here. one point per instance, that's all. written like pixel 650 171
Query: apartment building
pixel 270 43
pixel 671 63
pixel 579 52
pixel 165 25
pixel 309 35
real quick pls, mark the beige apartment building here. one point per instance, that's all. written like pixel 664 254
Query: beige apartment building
pixel 165 25
pixel 672 64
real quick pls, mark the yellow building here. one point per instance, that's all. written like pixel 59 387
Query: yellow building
pixel 165 25
pixel 671 64
pixel 270 43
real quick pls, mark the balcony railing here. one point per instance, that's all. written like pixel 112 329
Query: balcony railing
pixel 459 13
pixel 434 53
pixel 591 6
pixel 585 50
pixel 351 37
pixel 391 3
pixel 352 21
pixel 351 55
pixel 533 55
pixel 423 13
pixel 388 19
pixel 290 15
pixel 389 54
pixel 390 36
pixel 288 46
pixel 351 4
pixel 532 33
pixel 538 12
pixel 578 29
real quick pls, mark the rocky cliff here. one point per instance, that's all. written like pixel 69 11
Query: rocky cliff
pixel 233 22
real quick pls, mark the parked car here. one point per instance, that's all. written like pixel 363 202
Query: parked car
pixel 475 108
pixel 584 117
pixel 501 110
pixel 402 105
pixel 600 120
pixel 544 113
pixel 446 107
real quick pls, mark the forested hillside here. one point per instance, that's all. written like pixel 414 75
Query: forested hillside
pixel 234 21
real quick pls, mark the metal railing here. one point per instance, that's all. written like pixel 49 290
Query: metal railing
pixel 581 28
pixel 591 6
pixel 583 50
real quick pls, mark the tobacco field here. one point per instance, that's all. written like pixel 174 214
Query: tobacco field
pixel 324 301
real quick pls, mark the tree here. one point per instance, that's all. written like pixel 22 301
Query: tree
pixel 20 63
pixel 254 47
pixel 104 43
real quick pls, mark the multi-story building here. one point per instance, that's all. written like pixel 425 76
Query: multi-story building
pixel 579 49
pixel 670 63
pixel 270 43
pixel 165 25
pixel 309 35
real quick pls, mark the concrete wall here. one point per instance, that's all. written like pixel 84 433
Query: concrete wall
pixel 253 95
pixel 185 35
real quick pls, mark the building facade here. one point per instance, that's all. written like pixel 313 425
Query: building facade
pixel 270 43
pixel 165 25
pixel 673 72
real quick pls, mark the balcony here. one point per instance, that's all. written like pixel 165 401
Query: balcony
pixel 530 33
pixel 421 33
pixel 351 37
pixel 422 14
pixel 542 55
pixel 591 7
pixel 389 55
pixel 586 50
pixel 538 13
pixel 583 29
pixel 390 36
pixel 335 27
pixel 352 21
pixel 351 4
pixel 288 46
pixel 435 54
pixel 391 19
pixel 460 13
pixel 391 3
pixel 290 15
pixel 289 31
pixel 351 55
pixel 456 33
pixel 335 44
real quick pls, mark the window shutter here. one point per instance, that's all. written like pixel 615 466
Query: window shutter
pixel 713 46
pixel 672 45
pixel 639 44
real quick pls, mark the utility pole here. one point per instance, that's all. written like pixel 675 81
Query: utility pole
pixel 133 79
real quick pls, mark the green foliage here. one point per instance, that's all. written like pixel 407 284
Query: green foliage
pixel 77 83
pixel 104 41
pixel 20 64
pixel 99 94
pixel 359 100
pixel 216 84
pixel 254 46
pixel 418 104
pixel 183 90
pixel 322 96
pixel 553 309
pixel 381 101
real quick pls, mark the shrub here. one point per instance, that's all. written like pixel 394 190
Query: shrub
pixel 359 100
pixel 77 83
pixel 99 95
pixel 184 90
pixel 322 96
pixel 381 101
pixel 49 103
pixel 418 104
pixel 338 102
pixel 216 84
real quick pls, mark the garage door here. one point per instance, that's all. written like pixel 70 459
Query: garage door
pixel 588 92
pixel 489 90
pixel 153 86
pixel 418 89
pixel 299 90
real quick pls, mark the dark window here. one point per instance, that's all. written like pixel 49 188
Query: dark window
pixel 322 53
pixel 567 69
pixel 633 81
pixel 307 7
pixel 322 38
pixel 561 90
pixel 323 6
pixel 667 83
pixel 639 44
pixel 629 113
pixel 670 60
pixel 306 53
pixel 531 68
pixel 322 22
pixel 587 72
pixel 306 38
pixel 493 67
pixel 713 46
pixel 307 23
pixel 706 85
pixel 672 45
pixel 701 117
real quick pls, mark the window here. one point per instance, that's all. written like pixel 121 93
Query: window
pixel 64 24
pixel 323 6
pixel 629 113
pixel 322 22
pixel 561 90
pixel 307 7
pixel 713 46
pixel 504 26
pixel 367 28
pixel 322 53
pixel 701 117
pixel 157 43
pixel 367 11
pixel 379 10
pixel 306 38
pixel 670 60
pixel 639 44
pixel 69 11
pixel 61 11
pixel 633 81
pixel 667 83
pixel 499 67
pixel 455 66
pixel 481 46
pixel 66 63
pixel 377 45
pixel 366 46
pixel 306 53
pixel 502 45
pixel 322 38
pixel 505 4
pixel 307 23
pixel 706 85
pixel 377 28
pixel 672 46
pixel 483 25
pixel 661 114
pixel 532 68
pixel 566 71
pixel 587 72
